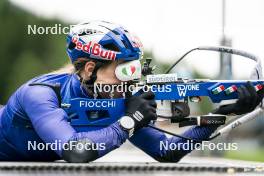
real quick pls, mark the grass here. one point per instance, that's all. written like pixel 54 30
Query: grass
pixel 247 155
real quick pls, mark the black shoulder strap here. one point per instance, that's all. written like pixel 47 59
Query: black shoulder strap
pixel 55 87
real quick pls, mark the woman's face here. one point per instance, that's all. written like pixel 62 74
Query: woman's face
pixel 106 75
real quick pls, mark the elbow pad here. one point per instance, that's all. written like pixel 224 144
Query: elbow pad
pixel 80 151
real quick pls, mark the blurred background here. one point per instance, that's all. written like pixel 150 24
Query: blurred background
pixel 167 28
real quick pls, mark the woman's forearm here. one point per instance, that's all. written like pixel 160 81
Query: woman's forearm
pixel 95 144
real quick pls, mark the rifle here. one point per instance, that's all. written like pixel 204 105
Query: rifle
pixel 172 94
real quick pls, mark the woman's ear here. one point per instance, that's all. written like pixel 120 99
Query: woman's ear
pixel 89 68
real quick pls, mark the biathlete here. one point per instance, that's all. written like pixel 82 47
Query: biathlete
pixel 33 112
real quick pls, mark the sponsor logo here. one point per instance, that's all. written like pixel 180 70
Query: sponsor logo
pixel 94 49
pixel 162 78
pixel 98 104
pixel 136 42
pixel 182 89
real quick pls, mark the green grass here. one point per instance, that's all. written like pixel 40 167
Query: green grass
pixel 247 155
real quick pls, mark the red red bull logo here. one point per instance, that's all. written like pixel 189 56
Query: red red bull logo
pixel 94 49
pixel 136 42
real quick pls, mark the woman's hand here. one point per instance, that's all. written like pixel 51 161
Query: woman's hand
pixel 142 109
pixel 248 99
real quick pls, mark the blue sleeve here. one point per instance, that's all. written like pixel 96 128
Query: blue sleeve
pixel 150 141
pixel 50 122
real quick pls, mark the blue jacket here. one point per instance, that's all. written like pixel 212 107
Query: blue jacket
pixel 39 105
